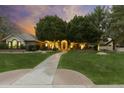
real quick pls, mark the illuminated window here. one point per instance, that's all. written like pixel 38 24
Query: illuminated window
pixel 19 44
pixel 9 44
pixel 14 43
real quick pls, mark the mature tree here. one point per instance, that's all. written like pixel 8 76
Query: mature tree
pixel 100 19
pixel 117 25
pixel 80 29
pixel 92 35
pixel 74 28
pixel 91 27
pixel 51 28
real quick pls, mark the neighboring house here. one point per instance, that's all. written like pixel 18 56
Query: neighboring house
pixel 106 45
pixel 16 40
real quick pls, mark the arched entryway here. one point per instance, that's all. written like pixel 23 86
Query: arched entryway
pixel 64 45
pixel 14 44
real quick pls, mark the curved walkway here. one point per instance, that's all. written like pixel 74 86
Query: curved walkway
pixel 70 77
pixel 45 74
pixel 9 77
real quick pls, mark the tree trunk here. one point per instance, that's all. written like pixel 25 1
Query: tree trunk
pixel 114 45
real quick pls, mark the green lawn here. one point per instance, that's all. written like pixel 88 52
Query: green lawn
pixel 101 69
pixel 21 61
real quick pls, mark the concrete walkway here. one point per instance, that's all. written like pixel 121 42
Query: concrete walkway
pixel 70 77
pixel 9 77
pixel 43 74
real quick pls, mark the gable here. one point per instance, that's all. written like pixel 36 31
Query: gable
pixel 20 36
pixel 14 37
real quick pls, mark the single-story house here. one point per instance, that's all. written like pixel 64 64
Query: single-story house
pixel 16 40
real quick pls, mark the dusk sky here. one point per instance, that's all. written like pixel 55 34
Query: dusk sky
pixel 27 16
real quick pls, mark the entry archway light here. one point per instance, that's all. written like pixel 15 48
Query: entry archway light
pixel 82 45
pixel 64 45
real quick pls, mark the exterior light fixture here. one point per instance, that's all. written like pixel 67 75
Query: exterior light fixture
pixel 82 46
pixel 46 45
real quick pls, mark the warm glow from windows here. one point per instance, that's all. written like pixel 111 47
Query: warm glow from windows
pixel 19 44
pixel 9 44
pixel 14 43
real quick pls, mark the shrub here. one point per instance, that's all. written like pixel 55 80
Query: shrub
pixel 96 47
pixel 3 46
pixel 37 47
pixel 32 47
pixel 86 46
pixel 55 49
pixel 44 48
pixel 22 46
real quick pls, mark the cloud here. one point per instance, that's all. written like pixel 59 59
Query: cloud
pixel 27 16
pixel 28 22
pixel 71 11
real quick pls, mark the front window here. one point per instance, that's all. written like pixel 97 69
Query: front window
pixel 14 43
pixel 9 44
pixel 19 44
